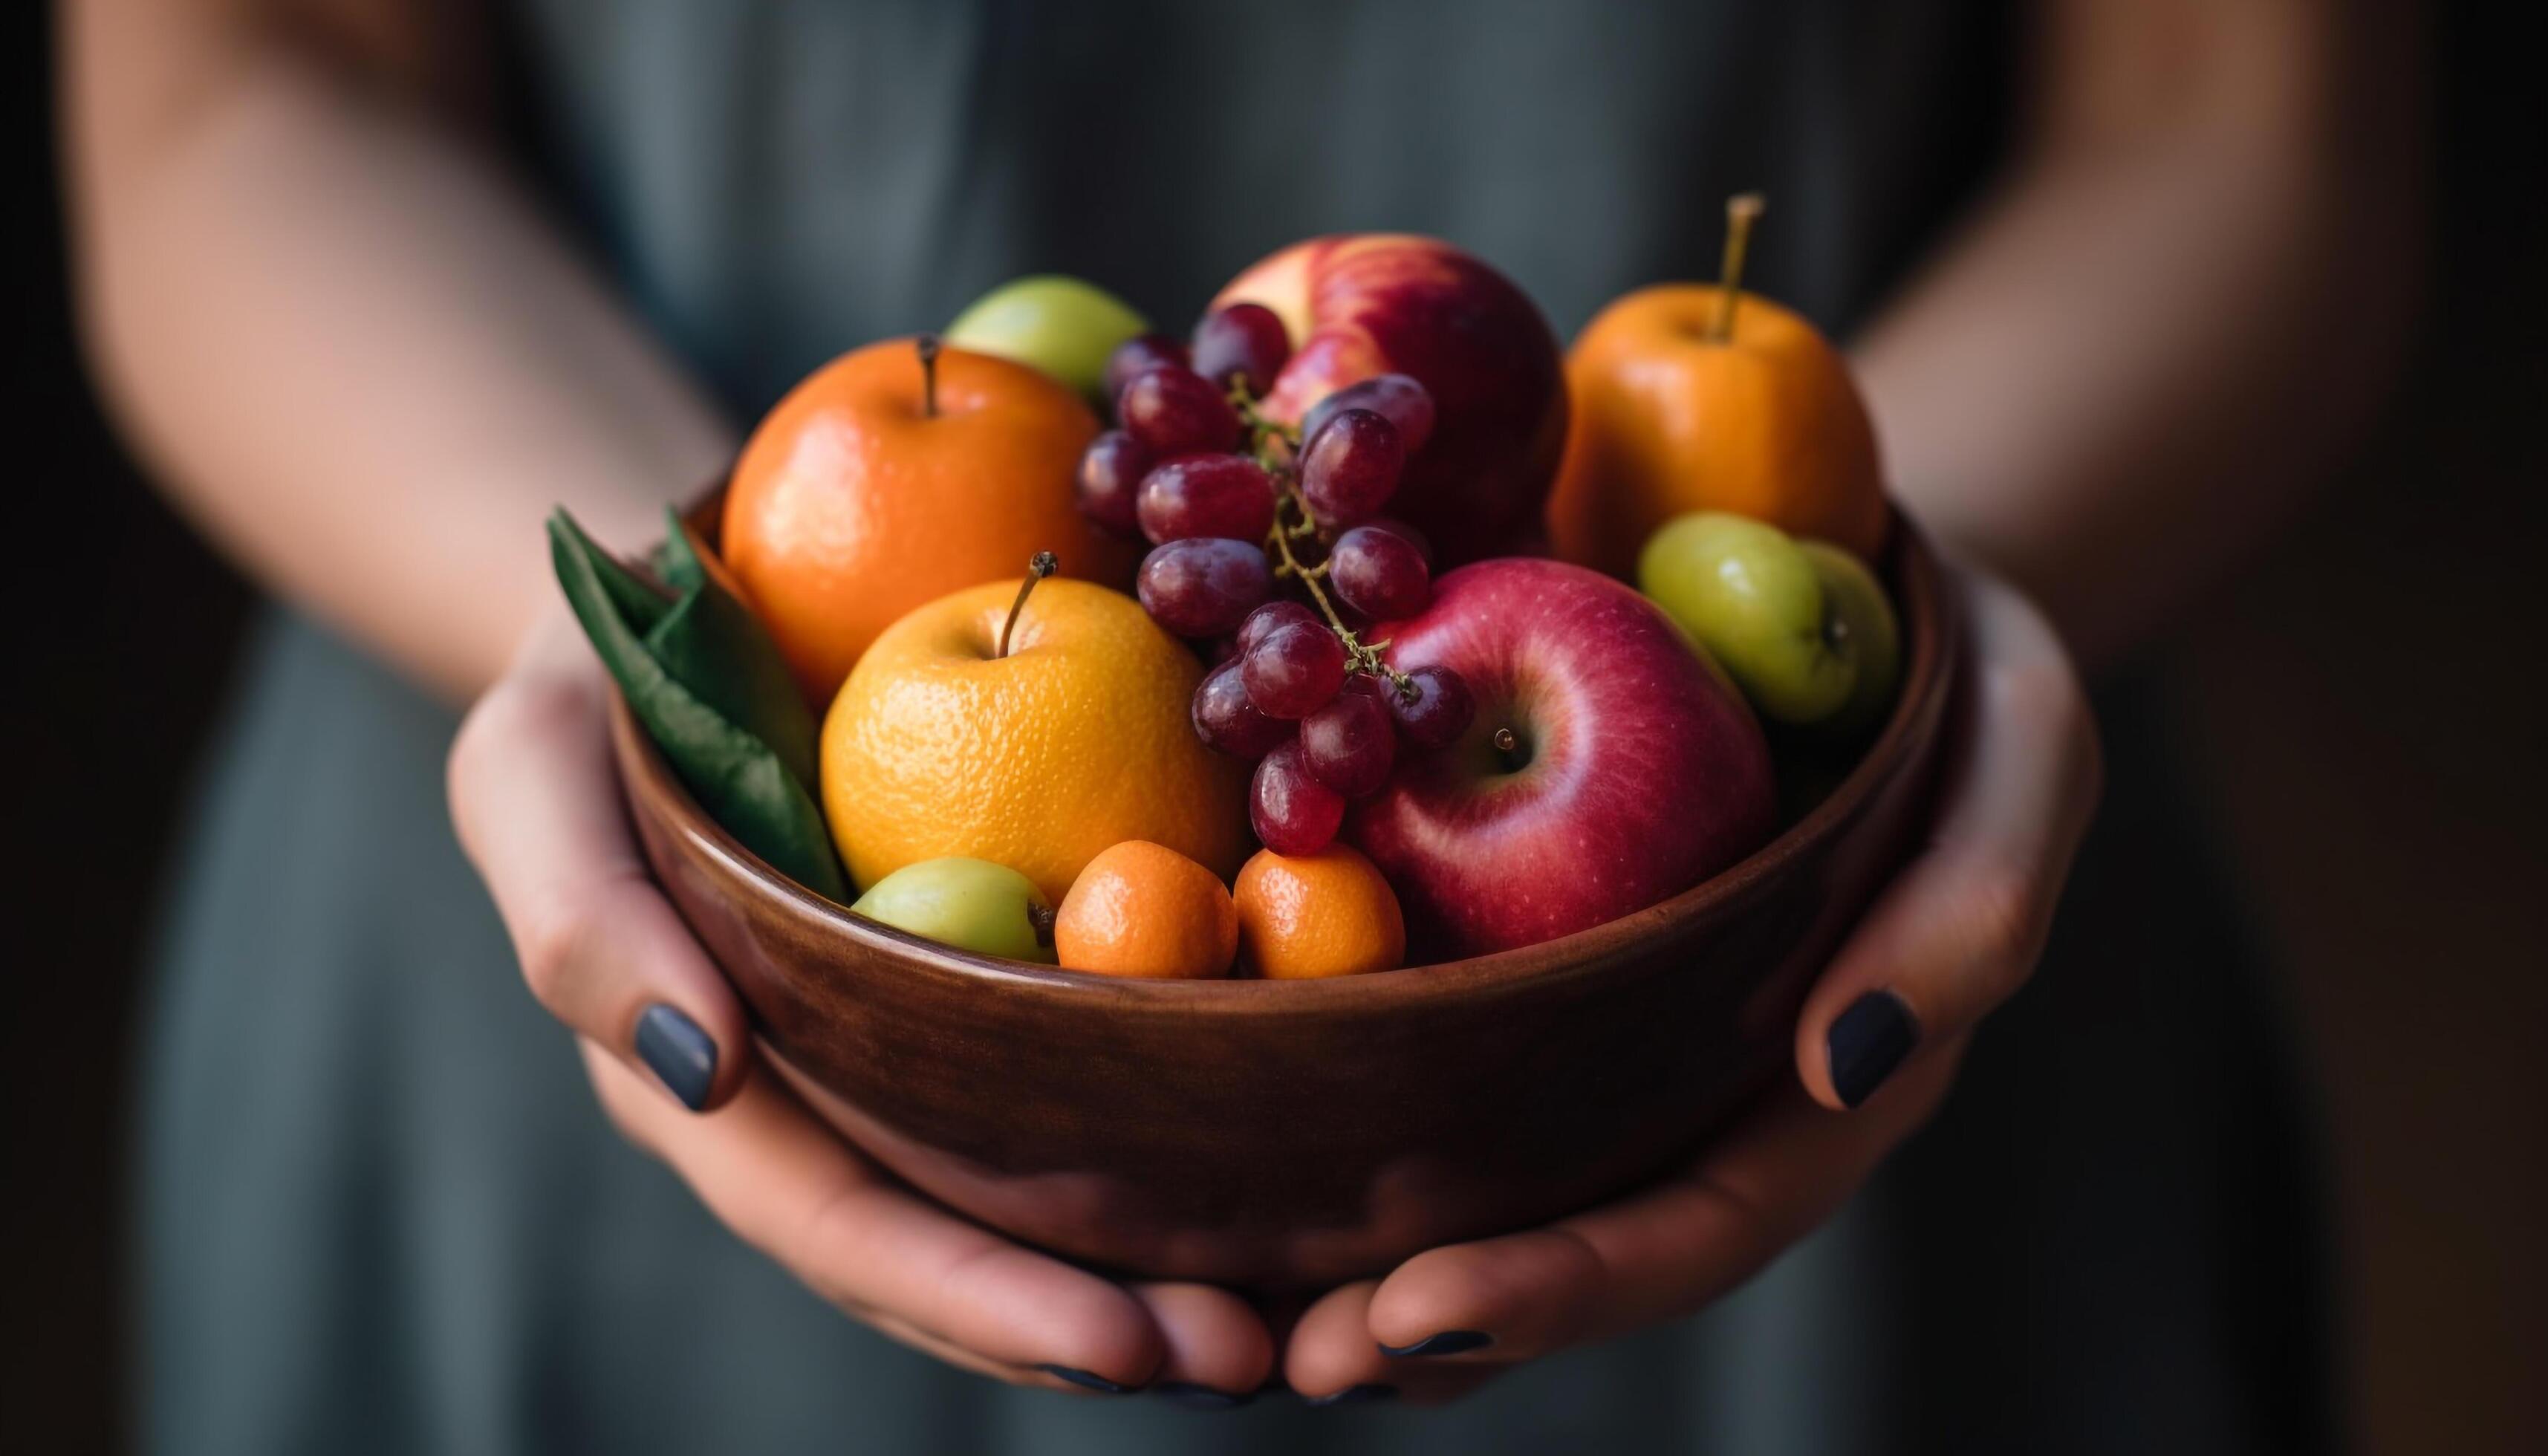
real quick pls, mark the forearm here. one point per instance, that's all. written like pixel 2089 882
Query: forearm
pixel 357 357
pixel 2162 328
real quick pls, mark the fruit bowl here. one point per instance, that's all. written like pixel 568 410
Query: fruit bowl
pixel 1293 1135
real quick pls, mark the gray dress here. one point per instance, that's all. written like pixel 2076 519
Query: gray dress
pixel 381 1212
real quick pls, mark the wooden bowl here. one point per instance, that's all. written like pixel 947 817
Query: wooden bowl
pixel 1285 1134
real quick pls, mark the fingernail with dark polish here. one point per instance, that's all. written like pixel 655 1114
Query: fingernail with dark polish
pixel 1353 1394
pixel 1867 1041
pixel 1448 1342
pixel 1086 1379
pixel 679 1053
pixel 1199 1396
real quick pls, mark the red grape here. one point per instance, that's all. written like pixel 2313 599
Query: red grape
pixel 1110 473
pixel 1395 526
pixel 1350 467
pixel 1139 355
pixel 1406 403
pixel 1225 720
pixel 1226 496
pixel 1243 342
pixel 1380 574
pixel 1441 710
pixel 1202 588
pixel 1176 411
pixel 1348 745
pixel 1293 669
pixel 1271 615
pixel 1294 813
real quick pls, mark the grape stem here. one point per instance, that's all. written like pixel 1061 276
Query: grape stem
pixel 1264 435
pixel 1261 430
pixel 1360 656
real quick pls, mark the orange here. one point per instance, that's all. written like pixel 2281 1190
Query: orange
pixel 1304 916
pixel 1080 738
pixel 1141 909
pixel 853 503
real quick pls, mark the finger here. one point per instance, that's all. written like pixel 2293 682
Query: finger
pixel 788 1186
pixel 1217 1349
pixel 1331 1359
pixel 1658 1255
pixel 1961 929
pixel 536 801
pixel 1497 1300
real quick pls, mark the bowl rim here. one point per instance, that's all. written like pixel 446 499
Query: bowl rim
pixel 1932 631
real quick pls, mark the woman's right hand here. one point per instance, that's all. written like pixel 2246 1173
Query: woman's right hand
pixel 536 799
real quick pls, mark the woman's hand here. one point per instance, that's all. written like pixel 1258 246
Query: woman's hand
pixel 1876 1049
pixel 536 799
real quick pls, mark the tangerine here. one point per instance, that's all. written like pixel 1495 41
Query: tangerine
pixel 1144 910
pixel 1305 916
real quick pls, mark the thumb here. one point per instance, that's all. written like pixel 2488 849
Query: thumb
pixel 535 797
pixel 1960 930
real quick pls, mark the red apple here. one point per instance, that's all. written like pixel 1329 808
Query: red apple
pixel 1630 771
pixel 1356 305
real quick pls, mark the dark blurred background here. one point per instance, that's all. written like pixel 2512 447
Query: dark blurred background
pixel 2365 706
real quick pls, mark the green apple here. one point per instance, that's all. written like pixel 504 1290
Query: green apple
pixel 1061 325
pixel 970 904
pixel 1800 627
pixel 1861 620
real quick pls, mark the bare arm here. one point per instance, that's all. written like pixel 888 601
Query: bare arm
pixel 347 346
pixel 357 356
pixel 2175 311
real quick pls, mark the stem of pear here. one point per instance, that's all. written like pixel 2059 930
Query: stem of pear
pixel 1740 212
pixel 1043 565
pixel 927 344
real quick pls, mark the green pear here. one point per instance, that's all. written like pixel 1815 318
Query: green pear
pixel 969 904
pixel 1860 620
pixel 1799 626
pixel 1061 325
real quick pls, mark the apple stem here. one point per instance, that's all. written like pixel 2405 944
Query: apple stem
pixel 1740 212
pixel 1042 917
pixel 1043 565
pixel 1510 745
pixel 927 344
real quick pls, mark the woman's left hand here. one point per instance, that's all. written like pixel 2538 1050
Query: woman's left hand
pixel 1876 1049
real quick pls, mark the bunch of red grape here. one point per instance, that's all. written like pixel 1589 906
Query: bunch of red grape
pixel 1268 548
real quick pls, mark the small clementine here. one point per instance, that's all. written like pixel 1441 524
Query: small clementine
pixel 1305 916
pixel 1144 910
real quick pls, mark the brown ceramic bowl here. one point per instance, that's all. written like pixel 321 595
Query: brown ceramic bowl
pixel 1296 1134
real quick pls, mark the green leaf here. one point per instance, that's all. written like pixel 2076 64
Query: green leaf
pixel 680 564
pixel 694 703
pixel 714 646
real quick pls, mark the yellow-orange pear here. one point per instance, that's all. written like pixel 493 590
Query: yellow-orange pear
pixel 1032 729
pixel 1690 397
